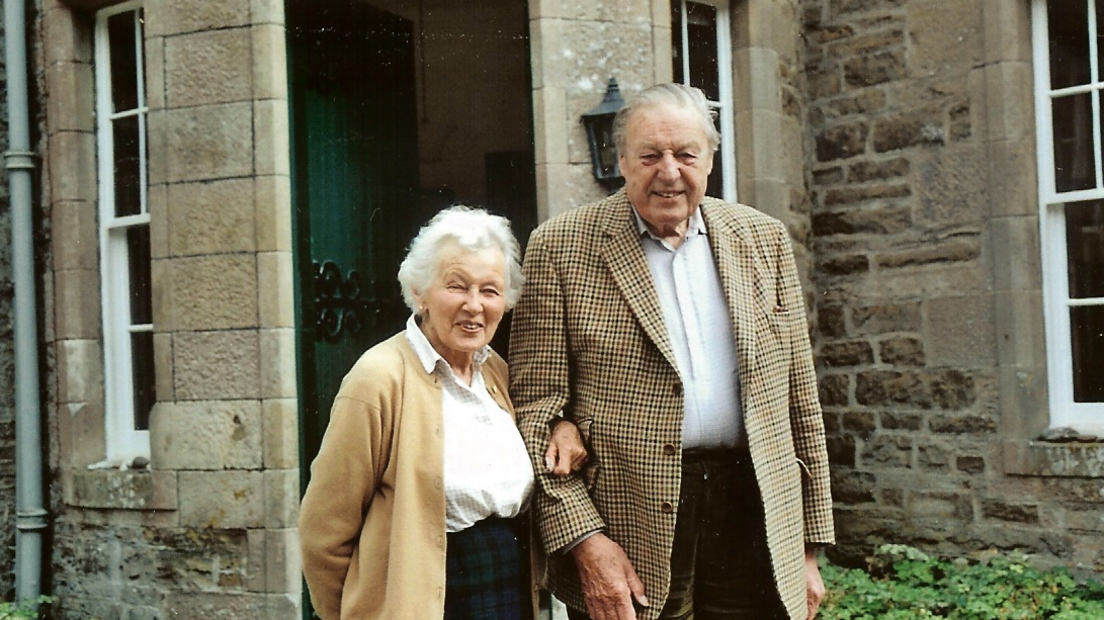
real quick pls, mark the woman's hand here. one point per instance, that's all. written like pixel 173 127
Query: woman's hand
pixel 566 453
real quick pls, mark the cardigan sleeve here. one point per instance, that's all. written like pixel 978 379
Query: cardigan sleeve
pixel 344 477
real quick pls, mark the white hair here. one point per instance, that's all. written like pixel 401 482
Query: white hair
pixel 669 94
pixel 471 229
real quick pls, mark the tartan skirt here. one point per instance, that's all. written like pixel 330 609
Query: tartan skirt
pixel 484 576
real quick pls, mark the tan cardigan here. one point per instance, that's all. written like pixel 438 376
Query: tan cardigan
pixel 372 523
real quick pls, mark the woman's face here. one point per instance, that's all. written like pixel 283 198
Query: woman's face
pixel 465 303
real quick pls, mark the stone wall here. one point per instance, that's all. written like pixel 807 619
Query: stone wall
pixel 7 370
pixel 901 129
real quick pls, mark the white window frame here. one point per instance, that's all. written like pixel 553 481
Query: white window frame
pixel 724 106
pixel 123 441
pixel 1064 411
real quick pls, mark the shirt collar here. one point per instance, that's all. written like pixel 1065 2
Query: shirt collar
pixel 695 227
pixel 428 356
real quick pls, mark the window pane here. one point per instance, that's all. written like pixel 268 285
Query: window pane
pixel 1074 167
pixel 1087 339
pixel 715 186
pixel 1068 22
pixel 124 62
pixel 1085 249
pixel 145 393
pixel 138 255
pixel 128 182
pixel 676 41
pixel 701 32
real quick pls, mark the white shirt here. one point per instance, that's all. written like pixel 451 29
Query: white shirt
pixel 487 468
pixel 699 327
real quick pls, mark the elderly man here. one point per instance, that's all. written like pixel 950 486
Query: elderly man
pixel 670 328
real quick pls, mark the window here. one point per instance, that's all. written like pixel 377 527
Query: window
pixel 1069 56
pixel 703 58
pixel 124 230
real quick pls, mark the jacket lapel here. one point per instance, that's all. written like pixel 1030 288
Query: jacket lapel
pixel 624 257
pixel 733 251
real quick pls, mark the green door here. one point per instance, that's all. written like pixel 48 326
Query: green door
pixel 354 177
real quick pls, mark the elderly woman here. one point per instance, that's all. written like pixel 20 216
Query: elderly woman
pixel 409 507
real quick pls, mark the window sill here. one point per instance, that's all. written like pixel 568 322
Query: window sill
pixel 1055 459
pixel 121 490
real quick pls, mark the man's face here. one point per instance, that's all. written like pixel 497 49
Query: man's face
pixel 666 164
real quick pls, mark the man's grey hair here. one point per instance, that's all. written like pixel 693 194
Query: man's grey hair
pixel 469 228
pixel 669 94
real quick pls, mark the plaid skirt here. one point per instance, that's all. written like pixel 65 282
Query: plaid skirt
pixel 484 576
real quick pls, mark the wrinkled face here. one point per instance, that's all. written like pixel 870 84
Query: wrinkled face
pixel 465 303
pixel 666 164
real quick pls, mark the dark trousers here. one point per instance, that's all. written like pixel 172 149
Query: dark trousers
pixel 720 564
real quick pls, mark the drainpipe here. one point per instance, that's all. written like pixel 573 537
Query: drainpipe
pixel 30 516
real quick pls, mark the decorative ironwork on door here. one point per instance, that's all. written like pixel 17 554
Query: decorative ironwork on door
pixel 340 304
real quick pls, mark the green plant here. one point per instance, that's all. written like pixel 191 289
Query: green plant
pixel 904 583
pixel 24 610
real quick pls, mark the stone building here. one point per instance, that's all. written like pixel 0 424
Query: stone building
pixel 225 186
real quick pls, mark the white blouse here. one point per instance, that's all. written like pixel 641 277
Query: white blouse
pixel 487 468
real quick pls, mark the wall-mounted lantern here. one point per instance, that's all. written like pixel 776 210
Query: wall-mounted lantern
pixel 599 128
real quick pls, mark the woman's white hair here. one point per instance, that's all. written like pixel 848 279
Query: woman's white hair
pixel 669 94
pixel 469 228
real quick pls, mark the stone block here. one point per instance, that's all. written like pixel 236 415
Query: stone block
pixel 163 367
pixel 267 11
pixel 1006 27
pixel 1019 328
pixel 866 193
pixel 887 317
pixel 883 451
pixel 206 142
pixel 627 11
pixel 549 116
pixel 222 500
pixel 841 142
pixel 281 433
pixel 198 559
pixel 841 8
pixel 850 353
pixel 853 487
pixel 968 424
pixel 281 498
pixel 279 377
pixel 173 18
pixel 77 304
pixel 842 451
pixel 945 35
pixel 880 170
pixel 934 458
pixel 75 236
pixel 155 73
pixel 972 465
pixel 960 331
pixel 66 36
pixel 922 128
pixel 71 157
pixel 1013 179
pixel 158 203
pixel 70 106
pixel 212 217
pixel 830 321
pixel 877 68
pixel 1011 512
pixel 940 504
pixel 954 250
pixel 846 265
pixel 217 365
pixel 207 292
pixel 276 275
pixel 877 220
pixel 271 137
pixel 1016 240
pixel 1009 104
pixel 862 423
pixel 80 434
pixel 947 389
pixel 80 371
pixel 274 213
pixel 901 351
pixel 207 435
pixel 209 67
pixel 891 420
pixel 952 188
pixel 270 60
pixel 834 390
pixel 120 490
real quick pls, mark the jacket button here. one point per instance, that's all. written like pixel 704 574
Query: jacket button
pixel 677 389
pixel 667 507
pixel 669 449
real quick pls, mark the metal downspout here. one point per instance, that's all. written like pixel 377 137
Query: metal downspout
pixel 30 516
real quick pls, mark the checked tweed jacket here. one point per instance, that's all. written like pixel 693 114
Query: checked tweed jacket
pixel 588 341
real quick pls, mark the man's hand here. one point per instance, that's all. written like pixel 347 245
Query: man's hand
pixel 566 453
pixel 609 582
pixel 814 585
